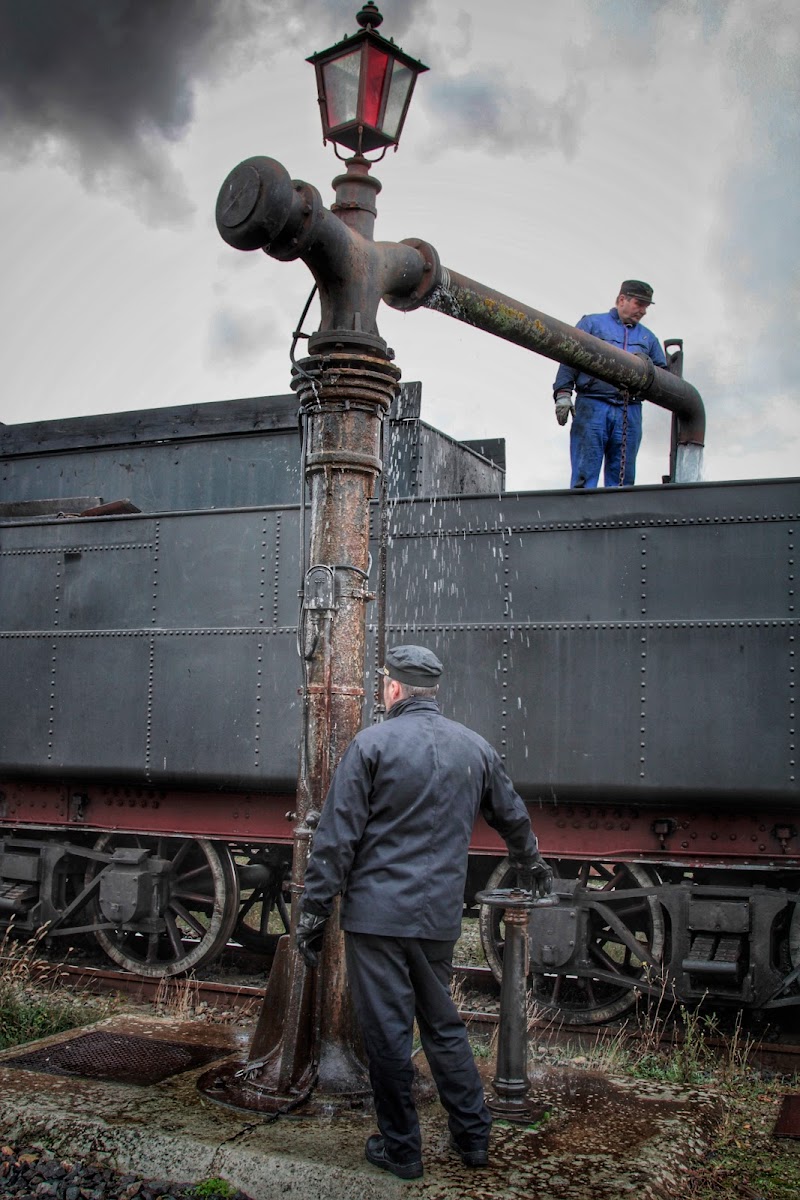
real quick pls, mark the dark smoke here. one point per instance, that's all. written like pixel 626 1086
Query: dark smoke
pixel 102 86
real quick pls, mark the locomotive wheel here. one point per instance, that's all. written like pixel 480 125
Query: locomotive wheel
pixel 794 936
pixel 199 915
pixel 263 911
pixel 583 1000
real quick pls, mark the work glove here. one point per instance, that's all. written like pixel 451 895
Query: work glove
pixel 564 407
pixel 308 937
pixel 534 876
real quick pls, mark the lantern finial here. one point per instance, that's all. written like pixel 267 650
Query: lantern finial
pixel 369 17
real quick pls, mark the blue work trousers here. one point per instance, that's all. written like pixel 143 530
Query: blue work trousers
pixel 596 435
pixel 393 980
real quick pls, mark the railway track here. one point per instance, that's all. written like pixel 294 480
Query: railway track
pixel 478 1006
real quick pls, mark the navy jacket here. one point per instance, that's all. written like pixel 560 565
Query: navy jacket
pixel 396 825
pixel 636 340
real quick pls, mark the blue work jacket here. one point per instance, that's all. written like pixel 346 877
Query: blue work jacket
pixel 396 825
pixel 607 326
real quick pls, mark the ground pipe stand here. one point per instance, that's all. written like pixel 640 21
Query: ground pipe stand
pixel 511 1084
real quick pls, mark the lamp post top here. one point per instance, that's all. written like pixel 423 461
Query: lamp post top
pixel 369 17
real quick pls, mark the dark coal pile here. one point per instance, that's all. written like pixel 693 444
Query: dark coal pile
pixel 33 1175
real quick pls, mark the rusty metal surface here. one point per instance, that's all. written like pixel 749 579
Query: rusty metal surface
pixel 300 1040
pixel 228 997
pixel 788 1122
pixel 123 1058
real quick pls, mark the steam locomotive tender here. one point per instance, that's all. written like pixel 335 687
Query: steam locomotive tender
pixel 631 653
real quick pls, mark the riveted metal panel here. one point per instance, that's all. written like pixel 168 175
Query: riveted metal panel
pixel 284 569
pixel 99 692
pixel 230 454
pixel 101 703
pixel 211 570
pixel 142 653
pixel 535 694
pixel 75 575
pixel 583 684
pixel 446 579
pixel 27 663
pixel 214 717
pixel 717 703
pixel 720 570
pixel 29 576
pixel 586 574
pixel 181 475
pixel 106 584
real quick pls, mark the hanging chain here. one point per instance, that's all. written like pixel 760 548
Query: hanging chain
pixel 624 450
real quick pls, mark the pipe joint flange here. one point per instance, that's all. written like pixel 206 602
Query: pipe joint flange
pixel 429 278
pixel 296 237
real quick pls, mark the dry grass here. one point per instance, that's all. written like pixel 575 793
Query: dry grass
pixel 33 1002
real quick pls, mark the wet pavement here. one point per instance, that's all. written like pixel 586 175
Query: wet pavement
pixel 605 1138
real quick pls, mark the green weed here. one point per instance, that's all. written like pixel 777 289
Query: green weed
pixel 213 1189
pixel 33 1004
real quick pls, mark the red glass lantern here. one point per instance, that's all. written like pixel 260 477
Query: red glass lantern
pixel 364 84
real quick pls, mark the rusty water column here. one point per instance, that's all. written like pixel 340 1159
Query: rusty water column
pixel 305 1038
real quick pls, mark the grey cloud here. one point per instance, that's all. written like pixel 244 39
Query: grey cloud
pixel 755 50
pixel 238 335
pixel 104 87
pixel 477 110
pixel 755 245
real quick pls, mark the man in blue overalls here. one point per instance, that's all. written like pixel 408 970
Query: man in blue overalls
pixel 606 423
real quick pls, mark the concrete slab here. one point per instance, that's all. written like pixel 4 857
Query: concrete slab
pixel 606 1138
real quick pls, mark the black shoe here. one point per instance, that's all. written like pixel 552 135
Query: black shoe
pixel 375 1151
pixel 477 1156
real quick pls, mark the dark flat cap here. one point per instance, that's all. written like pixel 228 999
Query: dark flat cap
pixel 416 666
pixel 635 287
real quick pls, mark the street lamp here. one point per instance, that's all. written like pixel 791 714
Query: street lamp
pixel 364 84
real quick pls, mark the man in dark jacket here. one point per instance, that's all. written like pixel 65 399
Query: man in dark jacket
pixel 606 423
pixel 394 839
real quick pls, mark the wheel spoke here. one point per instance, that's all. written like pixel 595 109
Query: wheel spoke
pixel 194 898
pixel 188 917
pixel 174 934
pixel 183 851
pixel 194 873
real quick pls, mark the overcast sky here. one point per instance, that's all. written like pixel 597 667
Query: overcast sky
pixel 551 151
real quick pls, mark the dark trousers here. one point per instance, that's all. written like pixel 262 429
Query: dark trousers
pixel 394 980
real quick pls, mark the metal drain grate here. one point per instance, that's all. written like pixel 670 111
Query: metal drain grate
pixel 121 1058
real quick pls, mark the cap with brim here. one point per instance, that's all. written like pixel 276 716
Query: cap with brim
pixel 415 666
pixel 635 287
